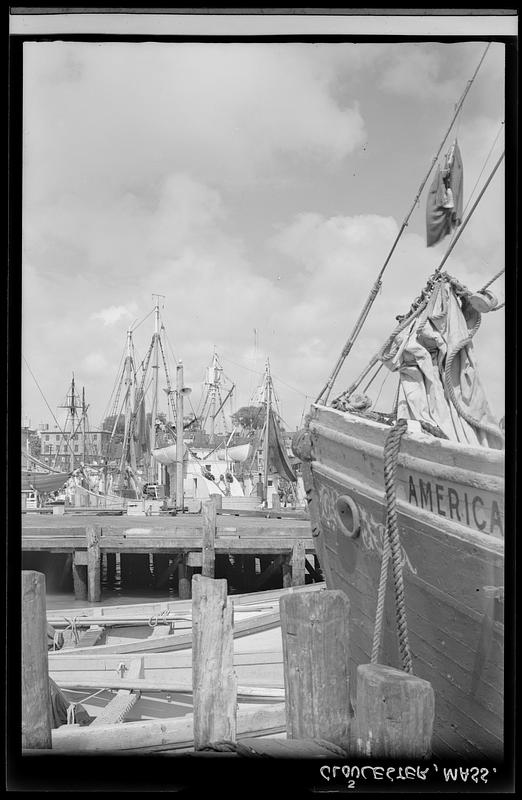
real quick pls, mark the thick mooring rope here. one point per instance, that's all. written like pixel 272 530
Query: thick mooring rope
pixel 391 452
pixel 381 596
pixel 226 746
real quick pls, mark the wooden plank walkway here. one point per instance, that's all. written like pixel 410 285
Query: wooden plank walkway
pixel 194 539
pixel 177 534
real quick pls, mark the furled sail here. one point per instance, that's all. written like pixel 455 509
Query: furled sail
pixel 439 378
pixel 278 460
pixel 444 202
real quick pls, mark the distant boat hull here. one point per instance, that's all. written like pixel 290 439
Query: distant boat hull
pixel 451 523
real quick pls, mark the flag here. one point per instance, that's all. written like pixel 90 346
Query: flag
pixel 444 203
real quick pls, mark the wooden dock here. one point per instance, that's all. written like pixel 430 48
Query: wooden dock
pixel 194 540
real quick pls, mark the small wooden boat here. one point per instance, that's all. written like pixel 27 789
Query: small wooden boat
pixel 151 690
pixel 158 626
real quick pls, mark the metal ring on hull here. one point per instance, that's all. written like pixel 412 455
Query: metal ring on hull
pixel 349 516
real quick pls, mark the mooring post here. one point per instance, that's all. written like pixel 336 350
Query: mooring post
pixel 218 501
pixel 184 578
pixel 213 677
pixel 208 517
pixel 36 700
pixel 93 533
pixel 394 714
pixel 314 627
pixel 297 562
pixel 79 573
pixel 287 571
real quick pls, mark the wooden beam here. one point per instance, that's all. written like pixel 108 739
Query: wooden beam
pixel 91 636
pixel 213 676
pixel 287 571
pixel 297 563
pixel 184 579
pixel 79 573
pixel 208 513
pixel 92 533
pixel 36 701
pixel 117 709
pixel 312 571
pixel 160 734
pixel 395 712
pixel 314 628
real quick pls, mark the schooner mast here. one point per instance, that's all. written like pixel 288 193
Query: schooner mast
pixel 73 423
pixel 213 401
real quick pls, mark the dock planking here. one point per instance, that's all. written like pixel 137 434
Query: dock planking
pixel 182 535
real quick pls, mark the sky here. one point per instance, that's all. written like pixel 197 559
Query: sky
pixel 258 187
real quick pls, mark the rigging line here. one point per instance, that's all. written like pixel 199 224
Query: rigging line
pixel 465 222
pixel 249 369
pixel 415 313
pixel 387 375
pixel 297 391
pixel 135 327
pixel 481 172
pixel 39 389
pixel 494 278
pixel 378 282
pixel 115 385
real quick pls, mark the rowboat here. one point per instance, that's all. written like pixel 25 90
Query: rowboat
pixel 147 682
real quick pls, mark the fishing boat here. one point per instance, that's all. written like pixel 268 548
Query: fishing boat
pixel 150 688
pixel 407 507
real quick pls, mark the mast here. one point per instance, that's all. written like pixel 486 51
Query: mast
pixel 70 405
pixel 84 415
pixel 127 449
pixel 268 401
pixel 179 437
pixel 155 367
pixel 72 409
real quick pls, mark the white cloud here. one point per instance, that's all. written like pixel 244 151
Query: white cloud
pixel 113 314
pixel 220 176
pixel 94 364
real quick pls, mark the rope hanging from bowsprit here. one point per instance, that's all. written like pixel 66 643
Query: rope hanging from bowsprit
pixel 392 547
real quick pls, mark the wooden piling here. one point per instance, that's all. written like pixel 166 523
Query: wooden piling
pixel 110 567
pixel 286 567
pixel 184 579
pixel 36 700
pixel 314 628
pixel 213 677
pixel 160 564
pixel 93 533
pixel 297 563
pixel 208 516
pixel 395 712
pixel 79 573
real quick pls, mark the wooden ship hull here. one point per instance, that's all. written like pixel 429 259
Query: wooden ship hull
pixel 450 504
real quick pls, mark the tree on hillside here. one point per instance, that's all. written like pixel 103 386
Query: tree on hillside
pixel 249 418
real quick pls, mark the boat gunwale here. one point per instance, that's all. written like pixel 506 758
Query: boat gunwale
pixel 485 482
pixel 491 456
